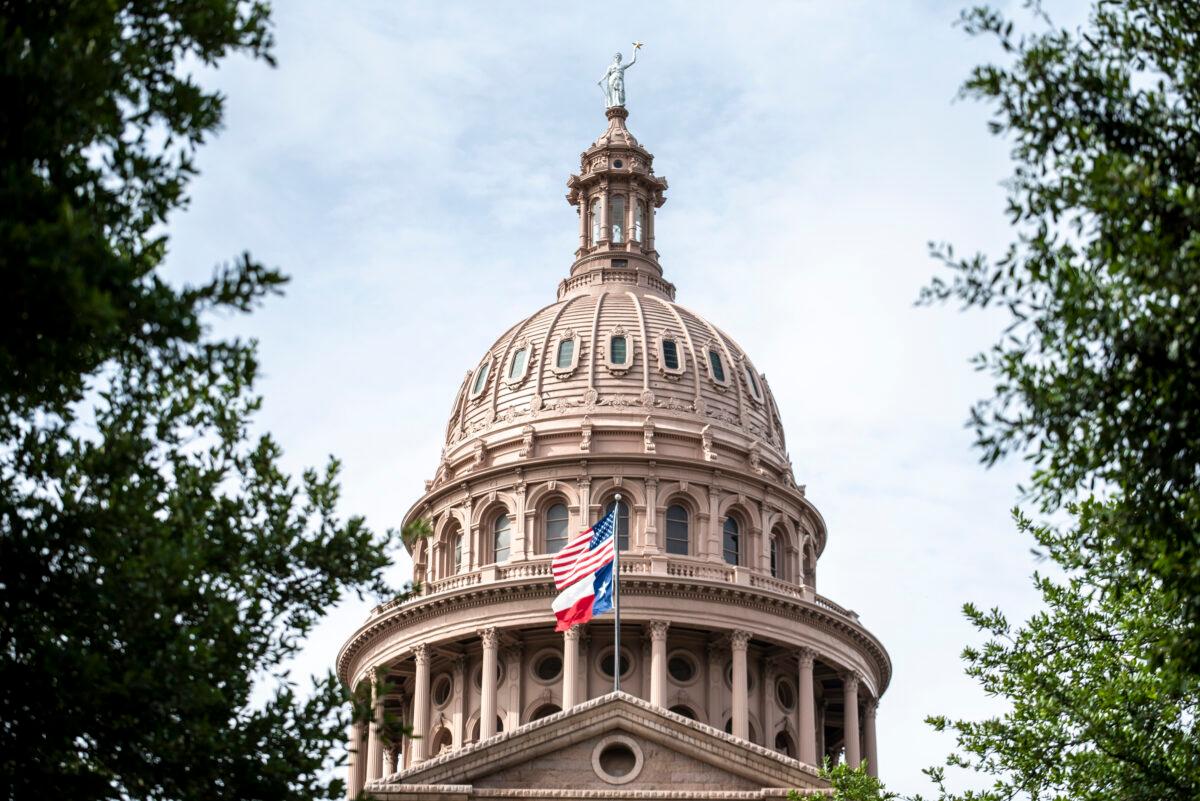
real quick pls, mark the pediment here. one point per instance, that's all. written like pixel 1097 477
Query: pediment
pixel 616 744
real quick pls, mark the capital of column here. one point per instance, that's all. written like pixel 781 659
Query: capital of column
pixel 851 680
pixel 658 630
pixel 869 707
pixel 738 640
pixel 715 653
pixel 574 633
pixel 806 656
pixel 490 637
pixel 421 654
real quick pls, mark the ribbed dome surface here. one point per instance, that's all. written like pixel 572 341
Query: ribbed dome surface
pixel 706 380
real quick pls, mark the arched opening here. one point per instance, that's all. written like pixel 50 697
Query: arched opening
pixel 685 711
pixel 732 547
pixel 616 218
pixel 639 222
pixel 442 741
pixel 621 522
pixel 775 556
pixel 501 538
pixel 545 711
pixel 556 527
pixel 595 213
pixel 475 729
pixel 677 530
pixel 785 745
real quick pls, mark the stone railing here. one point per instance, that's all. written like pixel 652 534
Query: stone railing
pixel 539 568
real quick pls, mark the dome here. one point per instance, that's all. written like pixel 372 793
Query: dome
pixel 613 403
pixel 617 356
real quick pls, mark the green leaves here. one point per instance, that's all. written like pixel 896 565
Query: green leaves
pixel 158 568
pixel 1097 383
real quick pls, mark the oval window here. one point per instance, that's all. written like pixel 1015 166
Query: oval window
pixel 480 379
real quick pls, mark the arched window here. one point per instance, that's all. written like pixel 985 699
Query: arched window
pixel 441 742
pixel 595 221
pixel 733 541
pixel 622 523
pixel 458 552
pixel 545 711
pixel 783 744
pixel 677 530
pixel 616 218
pixel 775 556
pixel 500 539
pixel 516 368
pixel 556 528
pixel 753 381
pixel 639 221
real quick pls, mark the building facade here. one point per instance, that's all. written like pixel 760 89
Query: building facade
pixel 737 676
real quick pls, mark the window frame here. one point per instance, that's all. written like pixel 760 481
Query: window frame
pixel 710 350
pixel 618 228
pixel 545 527
pixel 502 515
pixel 740 540
pixel 619 368
pixel 661 353
pixel 687 522
pixel 576 349
pixel 751 378
pixel 480 378
pixel 609 501
pixel 517 347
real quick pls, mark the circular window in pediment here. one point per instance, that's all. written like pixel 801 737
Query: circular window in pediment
pixel 617 759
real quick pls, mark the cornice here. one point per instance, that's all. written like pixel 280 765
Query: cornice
pixel 429 609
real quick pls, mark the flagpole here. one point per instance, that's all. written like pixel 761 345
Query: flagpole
pixel 617 596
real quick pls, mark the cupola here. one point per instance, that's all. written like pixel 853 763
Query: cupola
pixel 616 194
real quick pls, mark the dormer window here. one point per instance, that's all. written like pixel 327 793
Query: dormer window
pixel 619 351
pixel 516 367
pixel 616 217
pixel 481 376
pixel 566 354
pixel 670 362
pixel 716 365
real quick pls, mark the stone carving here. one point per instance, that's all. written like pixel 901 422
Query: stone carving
pixel 706 444
pixel 477 456
pixel 739 640
pixel 755 458
pixel 805 657
pixel 489 636
pixel 527 435
pixel 648 435
pixel 658 630
pixel 421 654
pixel 648 399
pixel 585 430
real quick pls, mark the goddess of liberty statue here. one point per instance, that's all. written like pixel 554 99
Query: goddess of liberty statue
pixel 613 82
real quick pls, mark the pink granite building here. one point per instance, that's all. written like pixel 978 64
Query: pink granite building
pixel 737 677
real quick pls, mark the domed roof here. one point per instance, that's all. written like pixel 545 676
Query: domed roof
pixel 615 352
pixel 678 370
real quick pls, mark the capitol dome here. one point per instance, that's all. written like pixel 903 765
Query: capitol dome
pixel 614 397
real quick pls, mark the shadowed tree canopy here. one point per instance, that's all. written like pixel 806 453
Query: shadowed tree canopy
pixel 158 568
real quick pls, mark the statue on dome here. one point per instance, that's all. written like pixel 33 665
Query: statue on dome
pixel 613 82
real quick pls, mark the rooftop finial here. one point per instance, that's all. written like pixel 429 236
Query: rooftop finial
pixel 613 82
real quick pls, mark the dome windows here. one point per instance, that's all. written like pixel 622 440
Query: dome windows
pixel 670 361
pixel 752 381
pixel 556 528
pixel 732 541
pixel 677 530
pixel 716 365
pixel 518 363
pixel 616 218
pixel 619 351
pixel 480 380
pixel 566 354
pixel 501 539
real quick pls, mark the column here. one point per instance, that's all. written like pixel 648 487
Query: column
pixel 389 760
pixel 658 663
pixel 487 712
pixel 869 736
pixel 806 703
pixel 738 642
pixel 713 535
pixel 650 538
pixel 605 234
pixel 570 672
pixel 458 712
pixel 716 682
pixel 357 761
pixel 850 718
pixel 649 237
pixel 583 223
pixel 375 743
pixel 420 746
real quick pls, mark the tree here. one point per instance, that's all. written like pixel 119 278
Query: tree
pixel 157 567
pixel 849 784
pixel 1098 376
pixel 1097 384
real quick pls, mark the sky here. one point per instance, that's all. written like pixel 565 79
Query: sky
pixel 405 164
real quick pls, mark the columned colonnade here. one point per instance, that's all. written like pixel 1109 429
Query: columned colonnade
pixel 369 740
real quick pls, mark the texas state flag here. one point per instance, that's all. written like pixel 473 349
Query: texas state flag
pixel 583 574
